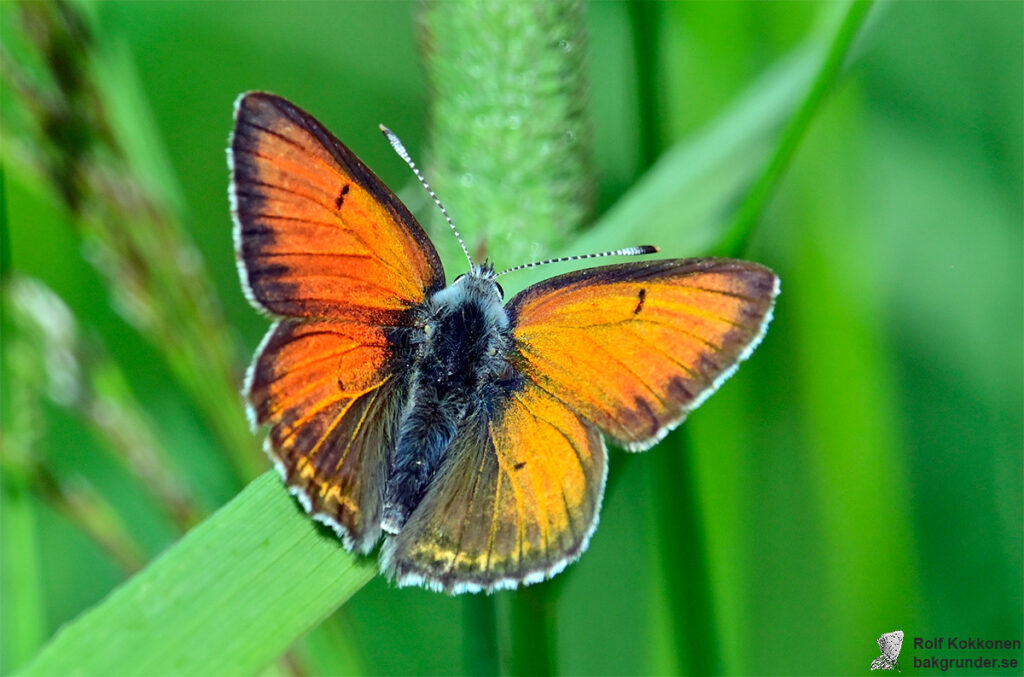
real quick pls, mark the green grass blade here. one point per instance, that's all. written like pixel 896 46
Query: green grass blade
pixel 22 605
pixel 481 653
pixel 533 622
pixel 22 613
pixel 855 458
pixel 738 234
pixel 683 558
pixel 226 600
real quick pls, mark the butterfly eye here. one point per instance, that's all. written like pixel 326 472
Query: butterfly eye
pixel 458 278
pixel 501 292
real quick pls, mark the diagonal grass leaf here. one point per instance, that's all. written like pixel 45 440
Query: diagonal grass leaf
pixel 226 600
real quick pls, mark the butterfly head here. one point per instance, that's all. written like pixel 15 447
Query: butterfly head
pixel 482 279
pixel 484 270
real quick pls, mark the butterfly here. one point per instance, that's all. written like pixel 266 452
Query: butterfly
pixel 890 643
pixel 466 432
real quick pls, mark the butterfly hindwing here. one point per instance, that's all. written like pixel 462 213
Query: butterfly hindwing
pixel 330 397
pixel 634 347
pixel 317 233
pixel 516 500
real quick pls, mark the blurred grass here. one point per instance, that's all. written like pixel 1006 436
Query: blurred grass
pixel 21 575
pixel 75 141
pixel 888 388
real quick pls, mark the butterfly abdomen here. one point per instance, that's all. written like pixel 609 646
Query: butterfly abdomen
pixel 458 365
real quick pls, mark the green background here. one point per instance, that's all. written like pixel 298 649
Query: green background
pixel 861 473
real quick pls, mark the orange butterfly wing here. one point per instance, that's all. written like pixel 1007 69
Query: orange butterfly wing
pixel 324 243
pixel 327 392
pixel 515 501
pixel 634 347
pixel 317 233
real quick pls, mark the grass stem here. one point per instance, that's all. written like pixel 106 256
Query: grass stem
pixel 533 623
pixel 739 230
pixel 480 636
pixel 682 558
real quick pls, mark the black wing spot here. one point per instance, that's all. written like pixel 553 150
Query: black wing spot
pixel 642 296
pixel 341 196
pixel 520 465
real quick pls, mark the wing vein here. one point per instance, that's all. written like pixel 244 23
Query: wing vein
pixel 626 323
pixel 308 151
pixel 494 516
pixel 398 273
pixel 536 359
pixel 465 518
pixel 362 420
pixel 316 360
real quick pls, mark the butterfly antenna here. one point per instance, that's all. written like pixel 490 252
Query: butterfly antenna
pixel 628 251
pixel 396 143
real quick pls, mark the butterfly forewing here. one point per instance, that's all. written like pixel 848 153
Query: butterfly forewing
pixel 516 501
pixel 318 234
pixel 634 347
pixel 321 241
